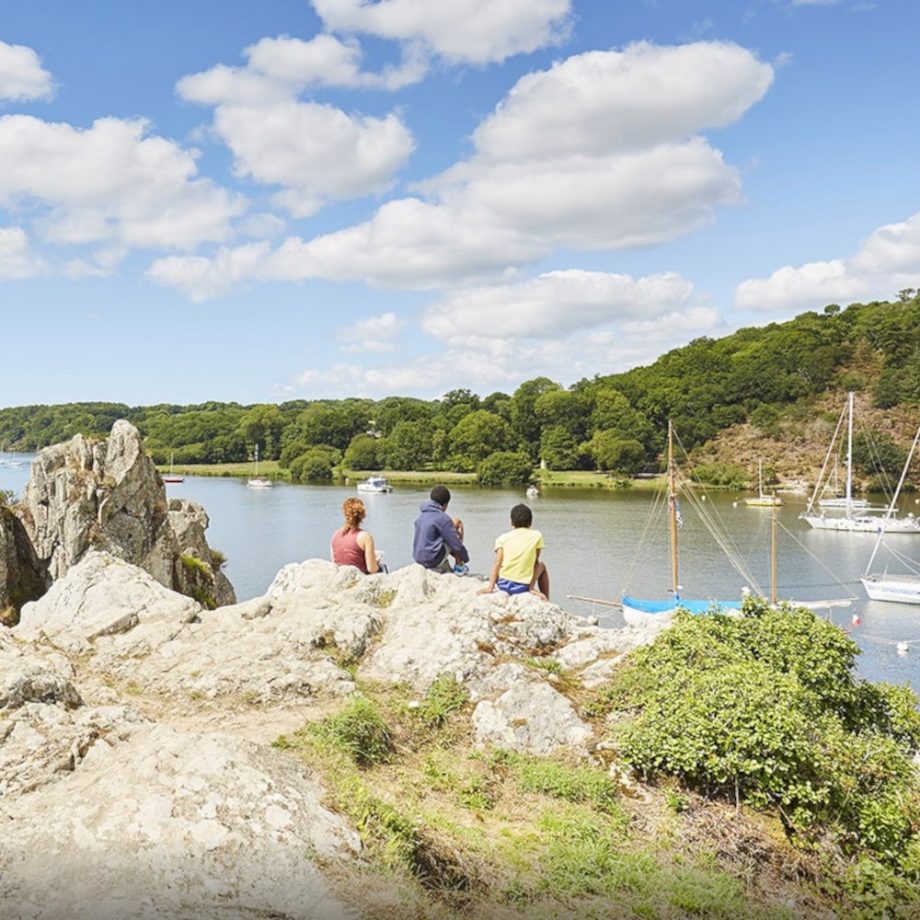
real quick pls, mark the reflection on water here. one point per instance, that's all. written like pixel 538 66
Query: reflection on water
pixel 597 544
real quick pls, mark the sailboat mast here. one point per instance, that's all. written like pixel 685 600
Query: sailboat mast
pixel 773 554
pixel 849 493
pixel 672 512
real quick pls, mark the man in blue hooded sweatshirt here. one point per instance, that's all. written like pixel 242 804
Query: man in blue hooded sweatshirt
pixel 437 535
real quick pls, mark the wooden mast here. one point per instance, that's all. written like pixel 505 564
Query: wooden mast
pixel 773 554
pixel 672 510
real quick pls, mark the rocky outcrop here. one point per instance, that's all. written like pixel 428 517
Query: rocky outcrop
pixel 108 496
pixel 114 802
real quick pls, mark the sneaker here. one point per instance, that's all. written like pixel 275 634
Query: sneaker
pixel 461 570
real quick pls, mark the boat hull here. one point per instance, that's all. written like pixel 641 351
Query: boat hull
pixel 637 611
pixel 863 523
pixel 898 589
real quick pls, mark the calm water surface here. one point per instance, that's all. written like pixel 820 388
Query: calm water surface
pixel 598 544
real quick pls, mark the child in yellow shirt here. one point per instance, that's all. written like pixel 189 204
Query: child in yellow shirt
pixel 517 568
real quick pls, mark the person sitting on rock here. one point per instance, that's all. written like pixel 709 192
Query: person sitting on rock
pixel 517 567
pixel 438 536
pixel 351 545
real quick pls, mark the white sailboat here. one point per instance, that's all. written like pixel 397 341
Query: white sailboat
pixel 257 481
pixel 763 500
pixel 903 587
pixel 867 520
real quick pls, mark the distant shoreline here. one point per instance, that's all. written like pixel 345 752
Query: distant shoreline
pixel 583 479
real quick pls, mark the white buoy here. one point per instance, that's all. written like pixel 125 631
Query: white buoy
pixel 734 504
pixel 902 648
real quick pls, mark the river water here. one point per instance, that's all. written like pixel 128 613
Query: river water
pixel 598 544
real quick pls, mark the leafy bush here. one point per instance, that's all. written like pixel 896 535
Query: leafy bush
pixel 315 465
pixel 765 708
pixel 505 468
pixel 729 475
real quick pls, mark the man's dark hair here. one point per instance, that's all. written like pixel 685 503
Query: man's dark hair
pixel 441 495
pixel 521 516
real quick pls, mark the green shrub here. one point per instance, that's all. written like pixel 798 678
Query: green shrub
pixel 505 468
pixel 765 708
pixel 727 475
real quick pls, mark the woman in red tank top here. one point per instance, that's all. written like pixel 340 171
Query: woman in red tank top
pixel 350 544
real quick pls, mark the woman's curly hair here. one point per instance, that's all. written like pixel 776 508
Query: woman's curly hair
pixel 354 511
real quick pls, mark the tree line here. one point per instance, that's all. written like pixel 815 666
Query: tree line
pixel 611 422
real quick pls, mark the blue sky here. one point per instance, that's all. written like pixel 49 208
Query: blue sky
pixel 290 199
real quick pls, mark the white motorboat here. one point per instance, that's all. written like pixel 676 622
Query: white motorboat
pixel 374 484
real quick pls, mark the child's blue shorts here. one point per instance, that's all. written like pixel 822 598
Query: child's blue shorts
pixel 511 587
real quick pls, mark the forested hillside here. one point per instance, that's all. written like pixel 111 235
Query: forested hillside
pixel 759 377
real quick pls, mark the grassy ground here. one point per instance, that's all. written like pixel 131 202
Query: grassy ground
pixel 267 468
pixel 453 831
pixel 591 479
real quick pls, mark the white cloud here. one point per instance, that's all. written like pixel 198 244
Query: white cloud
pixel 315 153
pixel 22 77
pixel 17 261
pixel 815 2
pixel 463 31
pixel 109 183
pixel 202 279
pixel 554 304
pixel 503 362
pixel 570 158
pixel 605 102
pixel 324 60
pixel 887 261
pixel 376 333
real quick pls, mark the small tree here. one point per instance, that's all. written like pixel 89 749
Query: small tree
pixel 505 468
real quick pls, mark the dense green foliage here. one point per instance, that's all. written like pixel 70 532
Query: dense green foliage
pixel 613 423
pixel 765 709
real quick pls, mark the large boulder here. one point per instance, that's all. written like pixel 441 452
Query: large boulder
pixel 103 595
pixel 167 824
pixel 108 495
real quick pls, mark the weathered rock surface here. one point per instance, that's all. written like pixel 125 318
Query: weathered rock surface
pixel 171 825
pixel 103 596
pixel 109 496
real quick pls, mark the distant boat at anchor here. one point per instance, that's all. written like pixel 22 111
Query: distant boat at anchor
pixel 257 481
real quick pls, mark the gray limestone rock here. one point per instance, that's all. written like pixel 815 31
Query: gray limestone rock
pixel 102 595
pixel 109 496
pixel 172 825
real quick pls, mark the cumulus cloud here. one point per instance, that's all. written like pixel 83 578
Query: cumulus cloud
pixel 17 261
pixel 461 31
pixel 22 77
pixel 555 304
pixel 604 102
pixel 376 333
pixel 314 152
pixel 202 279
pixel 109 183
pixel 601 151
pixel 887 261
pixel 503 362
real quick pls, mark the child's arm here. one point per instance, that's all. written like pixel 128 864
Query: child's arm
pixel 493 575
pixel 536 568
